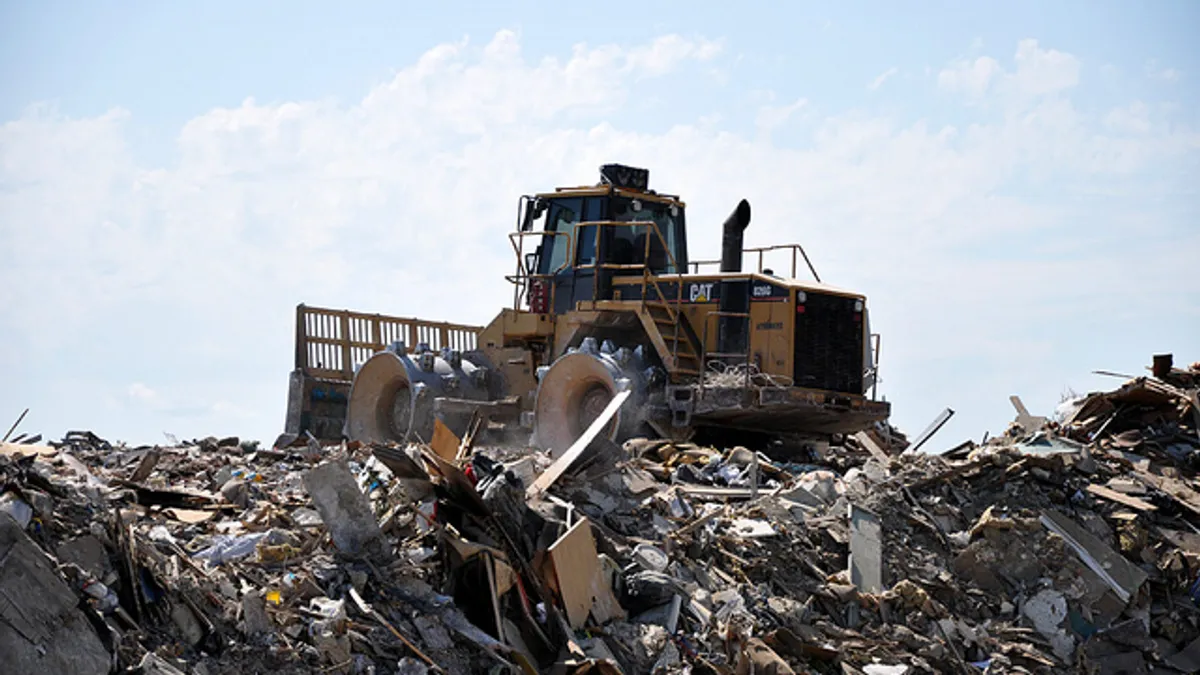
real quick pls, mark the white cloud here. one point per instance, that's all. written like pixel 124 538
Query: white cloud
pixel 187 275
pixel 666 53
pixel 1043 71
pixel 883 77
pixel 1037 72
pixel 1133 118
pixel 969 77
pixel 1156 72
pixel 141 393
pixel 771 117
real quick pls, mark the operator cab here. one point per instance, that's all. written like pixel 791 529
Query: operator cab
pixel 584 247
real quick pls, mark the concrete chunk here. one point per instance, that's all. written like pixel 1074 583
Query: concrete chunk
pixel 343 507
pixel 41 629
pixel 88 552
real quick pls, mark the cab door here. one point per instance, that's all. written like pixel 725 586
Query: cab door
pixel 576 279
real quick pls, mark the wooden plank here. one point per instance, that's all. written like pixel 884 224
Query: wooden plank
pixel 1193 397
pixel 864 439
pixel 1121 498
pixel 146 466
pixel 14 449
pixel 1177 489
pixel 1188 541
pixel 717 492
pixel 564 462
pixel 580 581
pixel 1030 423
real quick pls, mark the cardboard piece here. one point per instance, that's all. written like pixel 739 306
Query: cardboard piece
pixel 445 443
pixel 191 516
pixel 578 577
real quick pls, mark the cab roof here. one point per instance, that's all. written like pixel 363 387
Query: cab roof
pixel 606 190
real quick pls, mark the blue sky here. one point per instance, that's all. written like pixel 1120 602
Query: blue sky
pixel 1012 185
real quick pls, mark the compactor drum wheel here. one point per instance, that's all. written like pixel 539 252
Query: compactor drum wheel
pixel 393 394
pixel 381 400
pixel 574 390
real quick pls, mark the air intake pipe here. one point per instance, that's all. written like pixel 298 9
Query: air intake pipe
pixel 735 294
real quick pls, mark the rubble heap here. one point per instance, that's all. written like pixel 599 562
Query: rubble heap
pixel 1066 545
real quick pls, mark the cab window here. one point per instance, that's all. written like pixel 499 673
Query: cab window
pixel 561 216
pixel 564 215
pixel 636 242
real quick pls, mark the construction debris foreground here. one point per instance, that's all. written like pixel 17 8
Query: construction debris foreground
pixel 1063 546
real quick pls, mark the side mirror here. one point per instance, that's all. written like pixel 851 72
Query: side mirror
pixel 533 208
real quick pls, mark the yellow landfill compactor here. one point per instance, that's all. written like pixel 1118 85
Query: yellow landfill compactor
pixel 605 300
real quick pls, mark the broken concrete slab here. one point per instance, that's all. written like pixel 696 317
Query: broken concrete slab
pixel 255 620
pixel 88 553
pixel 433 633
pixel 1047 611
pixel 189 626
pixel 866 545
pixel 344 509
pixel 236 492
pixel 41 628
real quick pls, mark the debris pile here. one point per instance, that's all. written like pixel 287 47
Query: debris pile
pixel 1065 545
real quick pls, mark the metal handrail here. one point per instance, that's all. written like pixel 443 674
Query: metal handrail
pixel 648 279
pixel 760 250
pixel 878 340
pixel 674 313
pixel 517 241
pixel 600 224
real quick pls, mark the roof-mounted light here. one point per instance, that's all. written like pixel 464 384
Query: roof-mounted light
pixel 622 176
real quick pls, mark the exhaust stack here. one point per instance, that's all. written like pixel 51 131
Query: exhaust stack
pixel 731 237
pixel 735 294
